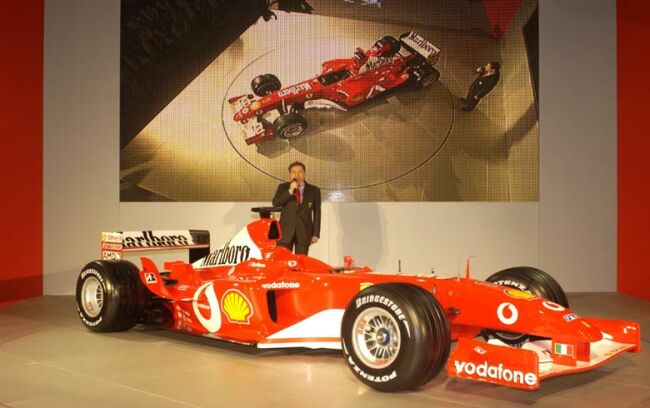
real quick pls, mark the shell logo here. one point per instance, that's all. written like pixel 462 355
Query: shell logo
pixel 236 307
pixel 519 294
pixel 364 285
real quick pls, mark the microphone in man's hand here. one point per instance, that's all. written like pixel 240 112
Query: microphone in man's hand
pixel 296 192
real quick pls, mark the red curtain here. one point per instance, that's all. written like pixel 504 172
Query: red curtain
pixel 500 13
pixel 21 157
pixel 633 147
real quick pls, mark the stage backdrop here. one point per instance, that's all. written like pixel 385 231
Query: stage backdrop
pixel 366 130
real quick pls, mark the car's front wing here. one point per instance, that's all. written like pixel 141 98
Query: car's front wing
pixel 525 367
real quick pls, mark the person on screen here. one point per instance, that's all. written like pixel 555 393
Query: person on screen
pixel 488 76
pixel 300 217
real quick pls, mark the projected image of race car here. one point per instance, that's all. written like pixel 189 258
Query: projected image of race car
pixel 395 330
pixel 343 83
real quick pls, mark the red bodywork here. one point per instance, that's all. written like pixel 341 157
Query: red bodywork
pixel 342 83
pixel 274 298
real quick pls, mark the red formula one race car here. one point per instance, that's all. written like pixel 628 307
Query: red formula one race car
pixel 342 83
pixel 395 330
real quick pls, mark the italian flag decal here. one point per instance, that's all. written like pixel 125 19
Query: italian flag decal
pixel 564 349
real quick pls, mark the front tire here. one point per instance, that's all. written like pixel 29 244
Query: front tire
pixel 290 125
pixel 110 296
pixel 395 336
pixel 531 280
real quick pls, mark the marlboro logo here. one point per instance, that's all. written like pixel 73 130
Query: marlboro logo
pixel 421 45
pixel 294 90
pixel 228 255
pixel 150 239
pixel 421 42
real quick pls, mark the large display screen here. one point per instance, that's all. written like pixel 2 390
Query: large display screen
pixel 393 100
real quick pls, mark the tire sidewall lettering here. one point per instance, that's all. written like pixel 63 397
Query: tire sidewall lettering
pixel 423 345
pixel 383 302
pixel 513 284
pixel 87 322
pixel 94 272
pixel 391 372
pixel 363 372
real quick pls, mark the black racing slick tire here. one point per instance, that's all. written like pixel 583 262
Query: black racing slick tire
pixel 265 84
pixel 395 337
pixel 427 77
pixel 393 45
pixel 531 280
pixel 110 296
pixel 290 125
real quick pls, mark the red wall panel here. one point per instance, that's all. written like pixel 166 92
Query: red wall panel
pixel 500 14
pixel 21 141
pixel 633 147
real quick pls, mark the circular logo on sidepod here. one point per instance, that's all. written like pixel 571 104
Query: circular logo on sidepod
pixel 553 306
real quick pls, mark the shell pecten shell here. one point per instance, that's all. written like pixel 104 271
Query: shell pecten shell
pixel 236 307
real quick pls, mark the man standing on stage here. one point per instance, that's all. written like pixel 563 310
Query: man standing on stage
pixel 300 217
pixel 488 76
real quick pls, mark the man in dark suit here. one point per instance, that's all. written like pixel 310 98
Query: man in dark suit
pixel 488 76
pixel 300 217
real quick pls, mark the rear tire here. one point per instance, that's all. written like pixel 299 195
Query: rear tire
pixel 531 280
pixel 395 336
pixel 426 77
pixel 290 125
pixel 110 296
pixel 393 45
pixel 266 84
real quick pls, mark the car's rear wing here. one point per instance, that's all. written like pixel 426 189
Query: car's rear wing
pixel 414 42
pixel 253 130
pixel 114 244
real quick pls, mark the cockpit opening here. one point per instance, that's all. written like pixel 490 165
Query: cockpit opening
pixel 334 77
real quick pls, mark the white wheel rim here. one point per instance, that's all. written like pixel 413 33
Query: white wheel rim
pixel 92 297
pixel 376 339
pixel 293 130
